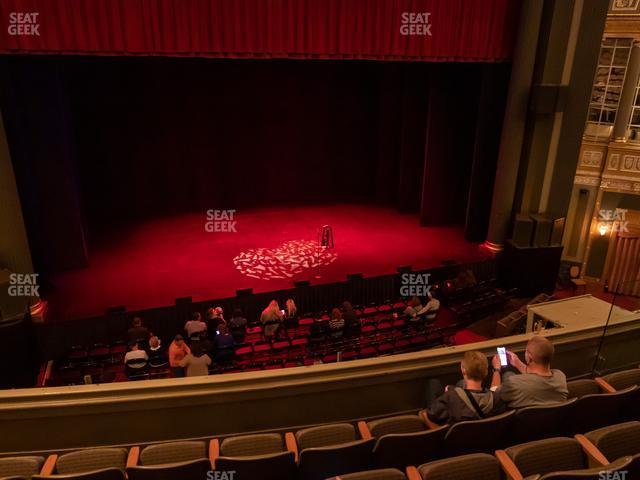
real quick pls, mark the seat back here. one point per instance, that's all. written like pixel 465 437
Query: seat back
pixel 596 411
pixel 582 387
pixel 549 455
pixel 252 445
pixel 534 423
pixel 325 435
pixel 617 441
pixel 400 450
pixel 91 459
pixel 173 452
pixel 624 379
pixel 103 474
pixel 193 470
pixel 324 462
pixel 383 474
pixel 476 466
pixel 397 424
pixel 596 473
pixel 278 466
pixel 475 436
pixel 20 466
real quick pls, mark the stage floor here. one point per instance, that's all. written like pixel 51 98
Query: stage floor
pixel 152 263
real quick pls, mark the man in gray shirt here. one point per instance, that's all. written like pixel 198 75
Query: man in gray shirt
pixel 537 384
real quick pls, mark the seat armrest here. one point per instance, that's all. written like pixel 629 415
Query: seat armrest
pixel 595 456
pixel 292 445
pixel 133 457
pixel 424 416
pixel 49 465
pixel 413 474
pixel 604 386
pixel 364 430
pixel 508 467
pixel 214 451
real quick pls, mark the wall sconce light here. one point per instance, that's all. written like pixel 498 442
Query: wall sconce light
pixel 603 228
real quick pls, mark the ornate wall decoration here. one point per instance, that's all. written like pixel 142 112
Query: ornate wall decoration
pixel 591 158
pixel 614 161
pixel 586 180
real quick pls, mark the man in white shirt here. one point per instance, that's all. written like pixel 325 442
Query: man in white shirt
pixel 195 325
pixel 430 310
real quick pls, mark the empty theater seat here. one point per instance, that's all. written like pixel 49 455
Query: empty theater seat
pixel 261 456
pixel 329 450
pixel 476 466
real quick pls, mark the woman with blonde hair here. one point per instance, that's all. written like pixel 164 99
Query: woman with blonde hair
pixel 290 313
pixel 271 318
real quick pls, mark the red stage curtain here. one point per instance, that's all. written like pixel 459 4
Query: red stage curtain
pixel 622 267
pixel 462 30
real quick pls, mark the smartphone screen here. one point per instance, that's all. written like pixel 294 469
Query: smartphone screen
pixel 502 353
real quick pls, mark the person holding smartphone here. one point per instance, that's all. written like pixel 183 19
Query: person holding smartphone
pixel 536 383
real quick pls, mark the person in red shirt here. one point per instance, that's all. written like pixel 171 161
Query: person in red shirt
pixel 177 351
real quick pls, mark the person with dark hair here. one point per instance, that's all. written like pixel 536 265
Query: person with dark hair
pixel 224 344
pixel 135 357
pixel 177 351
pixel 237 325
pixel 537 384
pixel 137 331
pixel 349 314
pixel 195 325
pixel 196 363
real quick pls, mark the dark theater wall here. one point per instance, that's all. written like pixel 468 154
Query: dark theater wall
pixel 118 140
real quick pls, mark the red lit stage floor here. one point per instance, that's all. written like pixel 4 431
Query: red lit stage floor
pixel 152 263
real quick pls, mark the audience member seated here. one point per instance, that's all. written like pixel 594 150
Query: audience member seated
pixel 471 402
pixel 536 383
pixel 137 331
pixel 271 318
pixel 197 362
pixel 214 318
pixel 157 357
pixel 430 310
pixel 237 325
pixel 224 344
pixel 336 323
pixel 135 357
pixel 349 314
pixel 415 305
pixel 178 350
pixel 290 314
pixel 195 326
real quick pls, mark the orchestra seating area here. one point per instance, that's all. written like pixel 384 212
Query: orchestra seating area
pixel 594 433
pixel 381 330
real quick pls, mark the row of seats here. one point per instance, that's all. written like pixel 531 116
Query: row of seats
pixel 332 451
pixel 541 435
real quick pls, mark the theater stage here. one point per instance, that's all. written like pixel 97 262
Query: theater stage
pixel 151 263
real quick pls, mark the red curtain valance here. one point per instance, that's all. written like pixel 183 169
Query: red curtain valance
pixel 461 30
